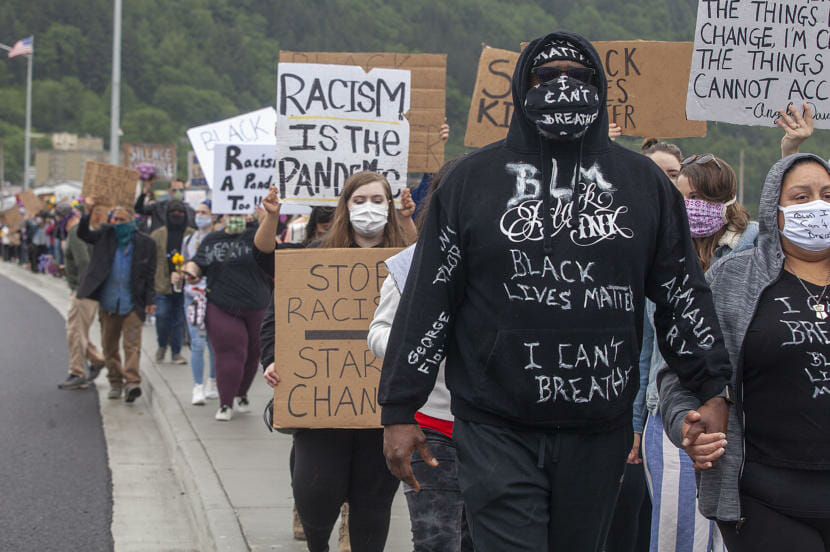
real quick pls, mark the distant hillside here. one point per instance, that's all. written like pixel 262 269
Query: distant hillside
pixel 195 61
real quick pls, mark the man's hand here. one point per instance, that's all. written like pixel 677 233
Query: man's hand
pixel 271 376
pixel 796 128
pixel 706 450
pixel 271 202
pixel 407 204
pixel 634 455
pixel 614 131
pixel 150 309
pixel 175 278
pixel 398 443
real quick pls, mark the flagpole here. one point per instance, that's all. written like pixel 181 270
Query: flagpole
pixel 27 149
pixel 115 99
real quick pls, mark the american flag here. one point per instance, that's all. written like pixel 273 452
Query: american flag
pixel 23 47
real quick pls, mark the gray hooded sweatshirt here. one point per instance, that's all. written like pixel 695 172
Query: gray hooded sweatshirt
pixel 737 282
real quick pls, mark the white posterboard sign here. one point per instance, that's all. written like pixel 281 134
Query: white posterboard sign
pixel 256 127
pixel 752 59
pixel 244 173
pixel 335 120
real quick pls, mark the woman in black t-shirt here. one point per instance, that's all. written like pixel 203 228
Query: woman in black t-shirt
pixel 237 295
pixel 333 466
pixel 772 493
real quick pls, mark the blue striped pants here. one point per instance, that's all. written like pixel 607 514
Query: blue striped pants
pixel 676 522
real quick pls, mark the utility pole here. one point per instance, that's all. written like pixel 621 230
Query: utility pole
pixel 115 105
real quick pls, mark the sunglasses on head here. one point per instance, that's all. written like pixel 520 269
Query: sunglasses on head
pixel 700 160
pixel 547 74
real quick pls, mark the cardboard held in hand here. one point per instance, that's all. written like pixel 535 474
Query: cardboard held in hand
pixel 110 184
pixel 427 107
pixel 646 94
pixel 324 300
pixel 31 203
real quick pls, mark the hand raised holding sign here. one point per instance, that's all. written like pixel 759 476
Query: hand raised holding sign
pixel 404 216
pixel 797 128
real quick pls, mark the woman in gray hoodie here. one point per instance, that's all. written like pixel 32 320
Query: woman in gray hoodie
pixel 767 481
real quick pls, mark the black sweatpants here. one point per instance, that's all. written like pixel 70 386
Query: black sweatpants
pixel 767 530
pixel 333 466
pixel 631 524
pixel 539 490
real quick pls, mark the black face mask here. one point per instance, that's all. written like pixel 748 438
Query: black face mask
pixel 175 221
pixel 563 108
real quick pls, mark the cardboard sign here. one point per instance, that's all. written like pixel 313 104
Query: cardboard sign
pixel 31 203
pixel 427 108
pixel 324 302
pixel 335 120
pixel 194 197
pixel 645 94
pixel 110 184
pixel 256 127
pixel 752 59
pixel 13 218
pixel 162 156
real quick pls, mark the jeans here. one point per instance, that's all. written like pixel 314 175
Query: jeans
pixel 197 354
pixel 437 512
pixel 170 321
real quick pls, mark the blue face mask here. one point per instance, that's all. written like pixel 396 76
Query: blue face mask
pixel 124 232
pixel 203 221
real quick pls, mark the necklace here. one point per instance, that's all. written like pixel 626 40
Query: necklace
pixel 816 305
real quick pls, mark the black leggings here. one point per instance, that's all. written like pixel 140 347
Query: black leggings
pixel 766 529
pixel 333 466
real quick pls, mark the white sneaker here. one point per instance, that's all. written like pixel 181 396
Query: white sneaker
pixel 198 394
pixel 224 414
pixel 242 405
pixel 210 389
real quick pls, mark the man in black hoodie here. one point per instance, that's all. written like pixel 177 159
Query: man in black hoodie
pixel 530 277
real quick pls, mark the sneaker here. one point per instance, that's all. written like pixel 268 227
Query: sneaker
pixel 114 392
pixel 224 414
pixel 133 392
pixel 160 352
pixel 210 389
pixel 73 382
pixel 198 394
pixel 242 405
pixel 94 370
pixel 179 359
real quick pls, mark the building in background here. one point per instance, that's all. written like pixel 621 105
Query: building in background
pixel 66 160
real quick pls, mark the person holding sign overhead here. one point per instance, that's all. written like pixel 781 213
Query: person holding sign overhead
pixel 769 488
pixel 333 466
pixel 529 279
pixel 121 277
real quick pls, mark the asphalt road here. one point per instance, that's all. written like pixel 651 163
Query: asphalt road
pixel 55 483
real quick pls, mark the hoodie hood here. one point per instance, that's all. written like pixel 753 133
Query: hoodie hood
pixel 523 135
pixel 769 238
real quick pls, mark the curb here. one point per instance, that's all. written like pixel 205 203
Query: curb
pixel 215 522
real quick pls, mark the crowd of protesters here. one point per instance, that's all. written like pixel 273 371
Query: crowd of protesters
pixel 719 444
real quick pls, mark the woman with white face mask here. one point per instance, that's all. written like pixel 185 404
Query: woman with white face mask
pixel 333 466
pixel 767 480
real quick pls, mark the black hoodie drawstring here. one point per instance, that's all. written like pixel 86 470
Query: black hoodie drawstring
pixel 576 193
pixel 547 185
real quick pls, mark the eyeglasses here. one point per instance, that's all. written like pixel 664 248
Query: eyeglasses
pixel 547 74
pixel 700 160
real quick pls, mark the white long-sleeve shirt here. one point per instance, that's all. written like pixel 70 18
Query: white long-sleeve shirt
pixel 438 403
